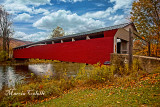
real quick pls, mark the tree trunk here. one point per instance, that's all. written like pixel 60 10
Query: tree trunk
pixel 149 48
pixel 4 41
pixel 8 42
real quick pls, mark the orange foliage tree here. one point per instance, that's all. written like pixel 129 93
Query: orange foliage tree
pixel 146 17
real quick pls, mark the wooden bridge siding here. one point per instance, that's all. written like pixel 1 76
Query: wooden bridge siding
pixel 83 51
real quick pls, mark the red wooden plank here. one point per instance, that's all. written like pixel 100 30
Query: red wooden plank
pixel 82 51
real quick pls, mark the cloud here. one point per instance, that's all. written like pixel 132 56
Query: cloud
pixel 19 35
pixel 19 8
pixel 99 4
pixel 70 22
pixel 98 14
pixel 73 1
pixel 118 19
pixel 29 2
pixel 118 4
pixel 16 8
pixel 31 37
pixel 23 17
pixel 109 13
pixel 121 4
pixel 40 10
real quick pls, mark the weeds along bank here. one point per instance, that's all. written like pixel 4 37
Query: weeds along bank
pixel 3 56
pixel 93 76
pixel 7 61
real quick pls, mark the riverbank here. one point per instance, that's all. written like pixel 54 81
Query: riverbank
pixel 12 62
pixel 88 80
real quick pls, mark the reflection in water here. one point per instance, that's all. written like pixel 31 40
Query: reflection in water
pixel 11 75
pixel 41 69
pixel 70 69
pixel 8 77
pixel 1 78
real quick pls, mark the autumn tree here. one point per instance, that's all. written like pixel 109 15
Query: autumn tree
pixel 5 28
pixel 57 32
pixel 146 17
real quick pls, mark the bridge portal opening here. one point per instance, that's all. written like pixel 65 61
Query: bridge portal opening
pixel 122 47
pixel 119 46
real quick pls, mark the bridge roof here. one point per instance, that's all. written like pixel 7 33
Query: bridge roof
pixel 78 34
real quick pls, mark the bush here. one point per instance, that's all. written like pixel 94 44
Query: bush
pixel 3 56
pixel 35 61
pixel 98 73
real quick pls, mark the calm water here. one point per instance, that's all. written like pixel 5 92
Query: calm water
pixel 12 75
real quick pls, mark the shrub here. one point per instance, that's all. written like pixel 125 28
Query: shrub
pixel 35 61
pixel 98 73
pixel 3 56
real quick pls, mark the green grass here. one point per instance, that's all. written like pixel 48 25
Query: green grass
pixel 146 92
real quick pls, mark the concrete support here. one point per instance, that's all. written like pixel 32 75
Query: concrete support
pixel 61 41
pixel 87 38
pixel 52 42
pixel 73 39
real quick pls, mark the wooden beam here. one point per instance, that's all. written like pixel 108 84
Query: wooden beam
pixel 130 49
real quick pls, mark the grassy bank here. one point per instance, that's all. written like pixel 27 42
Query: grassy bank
pixel 96 85
pixel 146 92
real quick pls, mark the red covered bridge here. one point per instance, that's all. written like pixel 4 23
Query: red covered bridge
pixel 87 47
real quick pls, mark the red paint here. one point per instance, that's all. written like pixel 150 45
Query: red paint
pixel 82 51
pixel 110 33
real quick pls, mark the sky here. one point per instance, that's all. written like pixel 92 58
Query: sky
pixel 34 20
